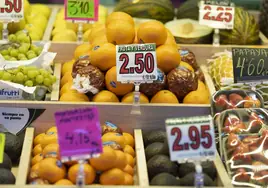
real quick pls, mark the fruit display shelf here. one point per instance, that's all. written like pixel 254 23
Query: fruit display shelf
pixel 127 122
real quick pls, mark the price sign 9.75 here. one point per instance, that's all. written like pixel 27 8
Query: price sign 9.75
pixel 190 141
pixel 11 9
pixel 136 63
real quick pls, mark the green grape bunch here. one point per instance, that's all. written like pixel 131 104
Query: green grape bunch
pixel 19 48
pixel 28 76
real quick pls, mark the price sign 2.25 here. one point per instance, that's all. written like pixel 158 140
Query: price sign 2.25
pixel 136 63
pixel 191 141
pixel 83 10
pixel 11 9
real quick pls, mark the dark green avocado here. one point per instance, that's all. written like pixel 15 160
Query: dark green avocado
pixel 13 146
pixel 154 136
pixel 6 176
pixel 165 179
pixel 159 164
pixel 7 164
pixel 154 149
pixel 189 180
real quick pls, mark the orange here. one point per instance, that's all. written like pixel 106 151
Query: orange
pixel 129 98
pixel 186 65
pixel 112 85
pixel 121 159
pixel 52 130
pixel 120 32
pixel 63 182
pixel 52 170
pixel 129 139
pixel 128 169
pixel 38 139
pixel 201 85
pixel 164 96
pixel 66 88
pixel 51 138
pixel 103 56
pixel 99 30
pixel 115 16
pixel 136 37
pixel 169 34
pixel 51 150
pixel 128 149
pixel 37 149
pixel 37 159
pixel 152 32
pixel 105 161
pixel 105 96
pixel 74 97
pixel 168 57
pixel 81 50
pixel 116 137
pixel 89 171
pixel 99 40
pixel 113 176
pixel 128 179
pixel 67 67
pixel 130 160
pixel 197 97
pixel 34 172
pixel 66 78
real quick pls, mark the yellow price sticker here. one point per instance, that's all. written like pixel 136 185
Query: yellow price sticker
pixel 2 146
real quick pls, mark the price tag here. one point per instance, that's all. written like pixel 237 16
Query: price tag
pixel 79 133
pixel 11 10
pixel 136 63
pixel 216 16
pixel 250 64
pixel 2 146
pixel 191 138
pixel 81 10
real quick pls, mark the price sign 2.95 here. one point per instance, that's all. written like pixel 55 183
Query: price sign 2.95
pixel 136 63
pixel 191 140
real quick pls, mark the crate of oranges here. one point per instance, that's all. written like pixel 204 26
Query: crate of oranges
pixel 117 165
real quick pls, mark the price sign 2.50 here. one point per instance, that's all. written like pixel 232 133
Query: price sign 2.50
pixel 11 9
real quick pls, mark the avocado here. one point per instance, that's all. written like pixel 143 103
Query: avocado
pixel 13 146
pixel 6 176
pixel 207 168
pixel 161 163
pixel 154 136
pixel 7 164
pixel 189 180
pixel 165 179
pixel 154 149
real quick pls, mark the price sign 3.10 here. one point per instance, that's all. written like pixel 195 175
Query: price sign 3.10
pixel 11 9
pixel 191 138
pixel 136 63
pixel 81 10
pixel 216 16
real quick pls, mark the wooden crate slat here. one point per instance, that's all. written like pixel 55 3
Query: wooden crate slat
pixel 48 31
pixel 56 86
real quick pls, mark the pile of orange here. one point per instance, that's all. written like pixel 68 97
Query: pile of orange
pixel 115 166
pixel 120 29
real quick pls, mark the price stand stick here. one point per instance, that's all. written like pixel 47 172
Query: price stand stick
pixel 5 32
pixel 79 134
pixel 2 146
pixel 192 140
pixel 81 11
pixel 136 63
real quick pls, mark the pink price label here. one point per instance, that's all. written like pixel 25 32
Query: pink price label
pixel 79 133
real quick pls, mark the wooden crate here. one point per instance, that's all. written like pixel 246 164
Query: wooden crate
pixel 140 177
pixel 49 28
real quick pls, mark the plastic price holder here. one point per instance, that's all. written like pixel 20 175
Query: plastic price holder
pixel 2 146
pixel 192 139
pixel 79 134
pixel 136 63
pixel 218 15
pixel 81 11
pixel 10 11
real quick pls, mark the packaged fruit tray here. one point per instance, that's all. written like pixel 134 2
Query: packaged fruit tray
pixel 246 159
pixel 241 121
pixel 37 146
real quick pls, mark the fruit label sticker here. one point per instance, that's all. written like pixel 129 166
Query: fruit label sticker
pixel 11 10
pixel 79 133
pixel 216 16
pixel 2 146
pixel 81 10
pixel 136 63
pixel 191 138
pixel 250 64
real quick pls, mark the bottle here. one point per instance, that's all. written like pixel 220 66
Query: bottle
pixel 199 176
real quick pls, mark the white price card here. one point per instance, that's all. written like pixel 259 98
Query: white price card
pixel 191 138
pixel 216 16
pixel 11 10
pixel 136 63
